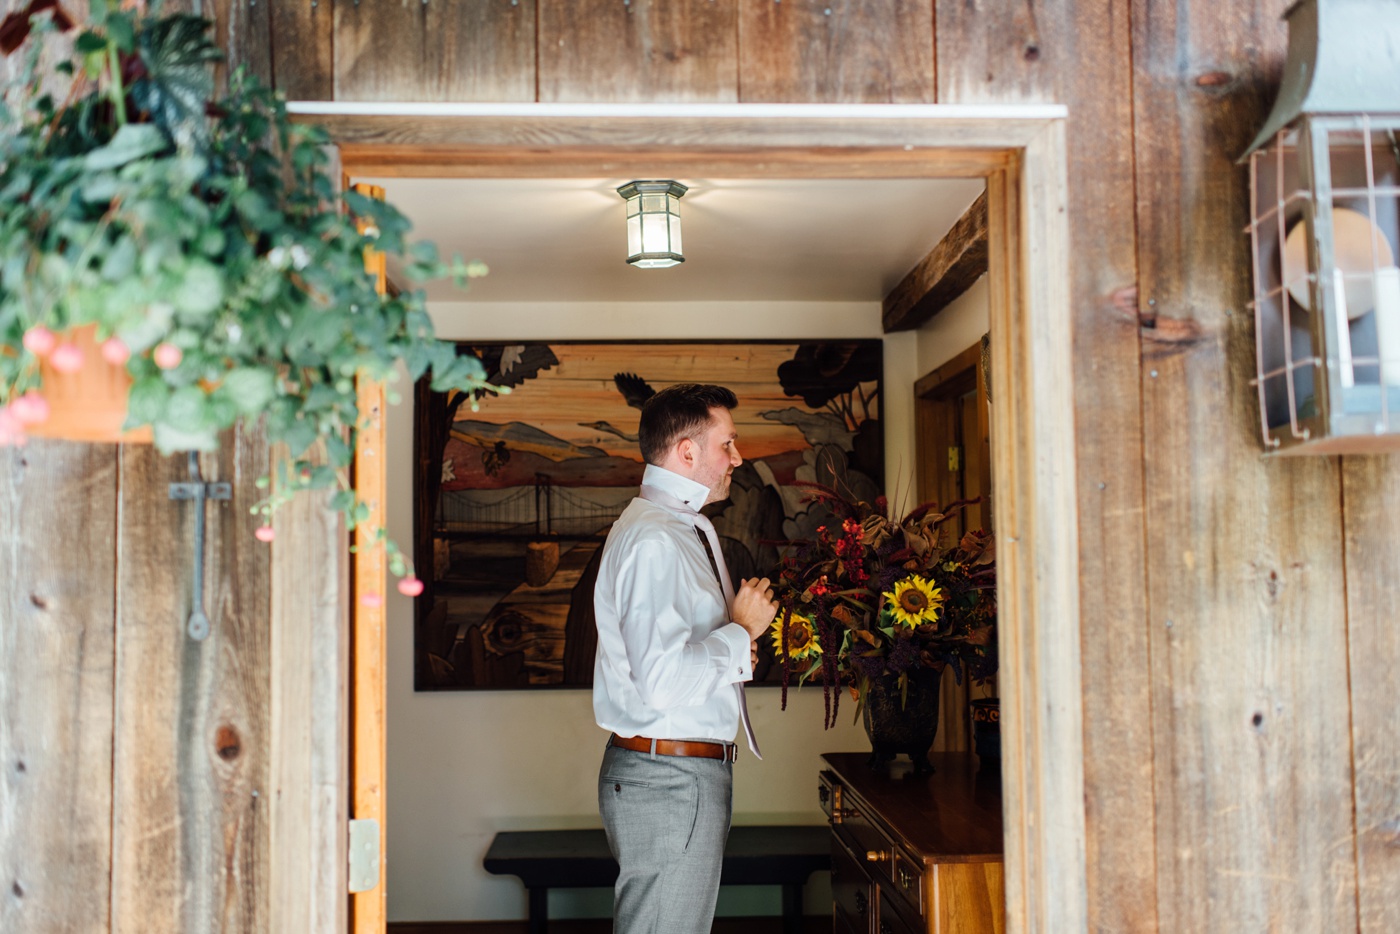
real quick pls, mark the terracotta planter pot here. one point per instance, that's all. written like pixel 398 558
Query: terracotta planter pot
pixel 89 405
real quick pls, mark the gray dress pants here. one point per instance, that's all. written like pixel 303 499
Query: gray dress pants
pixel 667 820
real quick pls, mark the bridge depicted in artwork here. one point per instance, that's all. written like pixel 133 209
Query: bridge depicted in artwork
pixel 545 508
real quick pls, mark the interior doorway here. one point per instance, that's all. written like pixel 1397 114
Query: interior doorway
pixel 1020 154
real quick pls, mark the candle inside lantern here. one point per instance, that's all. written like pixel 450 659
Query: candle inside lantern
pixel 1388 323
pixel 1346 371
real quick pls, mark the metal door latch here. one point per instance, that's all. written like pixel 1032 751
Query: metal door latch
pixel 199 491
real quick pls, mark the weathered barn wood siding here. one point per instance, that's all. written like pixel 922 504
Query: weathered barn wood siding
pixel 57 607
pixel 1242 767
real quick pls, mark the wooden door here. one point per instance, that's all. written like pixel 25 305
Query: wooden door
pixel 954 463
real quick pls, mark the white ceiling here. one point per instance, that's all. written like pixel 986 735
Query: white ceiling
pixel 745 239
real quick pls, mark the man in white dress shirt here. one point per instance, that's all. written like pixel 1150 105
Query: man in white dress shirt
pixel 669 673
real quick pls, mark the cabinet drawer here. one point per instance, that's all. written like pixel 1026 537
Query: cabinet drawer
pixel 892 921
pixel 907 882
pixel 866 841
pixel 851 890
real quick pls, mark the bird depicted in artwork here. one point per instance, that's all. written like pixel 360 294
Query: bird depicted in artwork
pixel 636 391
pixel 495 458
pixel 633 388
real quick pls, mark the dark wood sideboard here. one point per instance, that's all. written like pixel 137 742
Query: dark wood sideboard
pixel 914 853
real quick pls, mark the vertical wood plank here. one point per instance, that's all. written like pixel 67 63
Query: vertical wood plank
pixel 190 833
pixel 155 666
pixel 310 659
pixel 443 50
pixel 1247 621
pixel 301 49
pixel 1038 567
pixel 238 597
pixel 641 50
pixel 1021 50
pixel 310 740
pixel 243 30
pixel 1081 55
pixel 369 651
pixel 57 565
pixel 1370 494
pixel 816 51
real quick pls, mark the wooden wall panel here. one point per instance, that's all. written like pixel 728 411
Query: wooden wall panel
pixel 1080 55
pixel 243 29
pixel 58 513
pixel 308 713
pixel 443 50
pixel 302 48
pixel 638 50
pixel 1245 571
pixel 1370 492
pixel 190 832
pixel 816 51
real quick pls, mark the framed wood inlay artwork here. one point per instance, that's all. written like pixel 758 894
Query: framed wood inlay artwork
pixel 514 492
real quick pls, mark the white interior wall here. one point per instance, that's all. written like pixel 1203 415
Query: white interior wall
pixel 464 765
pixel 953 330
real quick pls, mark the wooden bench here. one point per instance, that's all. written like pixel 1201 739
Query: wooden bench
pixel 545 859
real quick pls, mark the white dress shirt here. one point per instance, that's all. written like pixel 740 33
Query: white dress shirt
pixel 667 652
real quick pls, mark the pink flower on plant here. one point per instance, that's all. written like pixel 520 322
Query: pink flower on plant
pixel 115 351
pixel 264 533
pixel 30 408
pixel 168 356
pixel 40 341
pixel 67 358
pixel 372 600
pixel 410 586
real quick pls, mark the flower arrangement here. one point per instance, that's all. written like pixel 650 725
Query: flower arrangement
pixel 195 244
pixel 873 597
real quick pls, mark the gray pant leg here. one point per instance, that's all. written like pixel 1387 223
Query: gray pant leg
pixel 667 820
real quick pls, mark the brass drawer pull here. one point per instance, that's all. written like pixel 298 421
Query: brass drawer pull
pixel 877 856
pixel 905 879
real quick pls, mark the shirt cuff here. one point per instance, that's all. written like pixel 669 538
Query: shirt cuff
pixel 737 638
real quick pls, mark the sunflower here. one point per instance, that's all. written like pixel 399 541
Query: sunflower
pixel 914 601
pixel 802 637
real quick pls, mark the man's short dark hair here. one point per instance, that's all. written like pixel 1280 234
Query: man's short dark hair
pixel 676 412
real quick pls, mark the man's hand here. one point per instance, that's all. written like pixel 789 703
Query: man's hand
pixel 754 608
pixel 753 655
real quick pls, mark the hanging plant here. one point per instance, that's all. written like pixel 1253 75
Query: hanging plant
pixel 195 244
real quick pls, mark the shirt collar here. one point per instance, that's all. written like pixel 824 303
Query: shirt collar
pixel 688 491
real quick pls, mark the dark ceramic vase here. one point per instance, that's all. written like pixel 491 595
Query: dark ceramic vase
pixel 903 725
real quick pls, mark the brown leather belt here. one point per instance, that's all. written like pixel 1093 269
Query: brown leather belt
pixel 677 747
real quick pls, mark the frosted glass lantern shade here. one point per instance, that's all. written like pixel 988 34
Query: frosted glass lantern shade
pixel 653 223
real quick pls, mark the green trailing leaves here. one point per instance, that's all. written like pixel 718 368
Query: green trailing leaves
pixel 173 220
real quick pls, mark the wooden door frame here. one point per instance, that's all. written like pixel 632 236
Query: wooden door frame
pixel 1020 151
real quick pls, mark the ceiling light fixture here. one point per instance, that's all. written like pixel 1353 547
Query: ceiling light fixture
pixel 653 223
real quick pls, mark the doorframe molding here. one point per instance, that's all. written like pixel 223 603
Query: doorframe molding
pixel 1020 151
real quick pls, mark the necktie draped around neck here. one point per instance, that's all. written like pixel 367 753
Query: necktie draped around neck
pixel 681 509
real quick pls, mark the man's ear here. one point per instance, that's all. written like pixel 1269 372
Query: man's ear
pixel 685 451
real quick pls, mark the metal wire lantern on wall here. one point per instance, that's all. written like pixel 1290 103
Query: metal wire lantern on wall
pixel 1324 180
